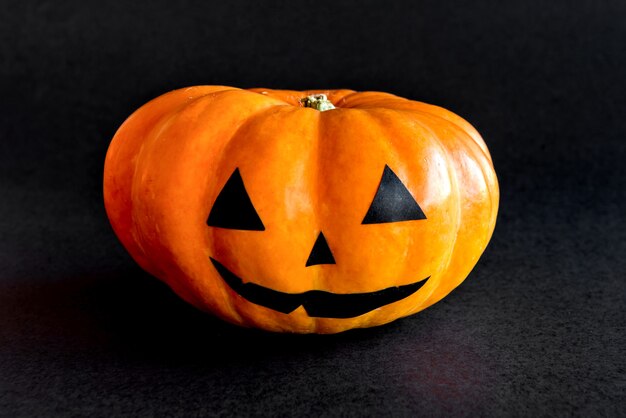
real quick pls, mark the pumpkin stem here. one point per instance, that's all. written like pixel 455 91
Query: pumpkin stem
pixel 318 102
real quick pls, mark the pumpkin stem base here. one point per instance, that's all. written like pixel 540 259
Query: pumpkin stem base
pixel 318 102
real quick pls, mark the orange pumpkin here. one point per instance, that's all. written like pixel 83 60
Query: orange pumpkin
pixel 315 211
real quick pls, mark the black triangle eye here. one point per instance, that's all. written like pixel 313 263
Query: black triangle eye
pixel 393 202
pixel 233 208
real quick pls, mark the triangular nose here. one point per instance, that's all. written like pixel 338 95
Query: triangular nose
pixel 320 254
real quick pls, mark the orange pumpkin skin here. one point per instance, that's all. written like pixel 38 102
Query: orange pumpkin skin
pixel 305 172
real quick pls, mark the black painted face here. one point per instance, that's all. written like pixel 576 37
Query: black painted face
pixel 233 209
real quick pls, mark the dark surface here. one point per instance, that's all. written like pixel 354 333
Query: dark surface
pixel 537 329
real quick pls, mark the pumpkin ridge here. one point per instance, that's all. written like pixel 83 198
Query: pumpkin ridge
pixel 459 127
pixel 477 155
pixel 252 118
pixel 116 189
pixel 343 99
pixel 452 168
pixel 394 100
pixel 436 276
pixel 202 105
pixel 454 180
pixel 337 95
pixel 366 98
pixel 141 235
pixel 151 135
pixel 364 119
pixel 317 153
pixel 291 100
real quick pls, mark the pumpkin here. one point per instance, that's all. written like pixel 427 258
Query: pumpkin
pixel 306 212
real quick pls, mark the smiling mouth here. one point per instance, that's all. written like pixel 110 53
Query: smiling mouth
pixel 317 303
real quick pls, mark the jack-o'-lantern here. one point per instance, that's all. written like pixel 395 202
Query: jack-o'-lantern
pixel 314 211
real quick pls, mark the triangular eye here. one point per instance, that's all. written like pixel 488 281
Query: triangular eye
pixel 233 208
pixel 393 202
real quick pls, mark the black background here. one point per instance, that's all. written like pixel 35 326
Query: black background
pixel 538 327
